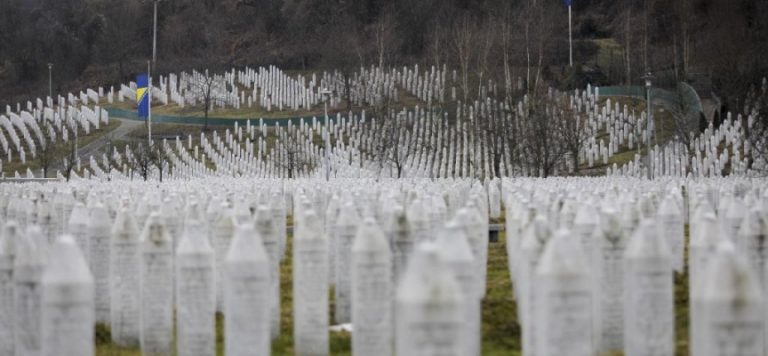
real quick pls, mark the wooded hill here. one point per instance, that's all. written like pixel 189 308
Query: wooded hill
pixel 716 44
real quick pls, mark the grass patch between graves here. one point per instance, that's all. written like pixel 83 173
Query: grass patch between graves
pixel 34 163
pixel 501 329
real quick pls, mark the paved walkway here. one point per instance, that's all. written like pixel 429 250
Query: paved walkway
pixel 126 126
pixel 215 121
pixel 93 148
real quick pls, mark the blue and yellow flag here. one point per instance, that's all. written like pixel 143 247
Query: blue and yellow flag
pixel 142 95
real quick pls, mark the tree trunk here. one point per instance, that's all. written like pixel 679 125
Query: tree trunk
pixel 645 35
pixel 575 159
pixel 527 57
pixel 627 46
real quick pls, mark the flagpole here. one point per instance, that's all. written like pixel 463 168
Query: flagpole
pixel 149 102
pixel 570 34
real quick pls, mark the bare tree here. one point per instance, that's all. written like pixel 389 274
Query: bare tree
pixel 628 42
pixel 386 38
pixel 756 129
pixel 436 38
pixel 161 157
pixel 464 44
pixel 208 90
pixel 392 145
pixel 542 144
pixel 70 160
pixel 141 159
pixel 574 130
pixel 484 46
pixel 290 152
pixel 48 152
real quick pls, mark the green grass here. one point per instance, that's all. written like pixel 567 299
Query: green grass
pixel 681 304
pixel 609 51
pixel 231 113
pixel 83 140
pixel 195 111
pixel 663 133
pixel 501 330
pixel 500 327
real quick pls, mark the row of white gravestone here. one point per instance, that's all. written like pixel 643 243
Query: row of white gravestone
pixel 538 208
pixel 668 160
pixel 439 167
pixel 445 275
pixel 141 301
pixel 704 157
pixel 424 165
pixel 47 305
pixel 631 289
pixel 31 124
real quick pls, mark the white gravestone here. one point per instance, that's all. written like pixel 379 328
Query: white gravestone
pixel 8 241
pixel 195 293
pixel 265 226
pixel 331 215
pixel 705 237
pixel 28 273
pixel 124 280
pixel 476 232
pixel 564 313
pixel 608 278
pixel 346 228
pixel 279 209
pixel 67 302
pixel 45 219
pixel 731 307
pixel 753 239
pixel 672 226
pixel 429 311
pixel 372 292
pixel 401 241
pixel 535 239
pixel 247 295
pixel 494 199
pixel 99 232
pixel 418 221
pixel 156 287
pixel 310 287
pixel 78 228
pixel 457 255
pixel 584 226
pixel 221 235
pixel 649 315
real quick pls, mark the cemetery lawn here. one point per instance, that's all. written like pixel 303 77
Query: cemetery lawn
pixel 501 332
pixel 500 327
pixel 663 133
pixel 228 113
pixel 34 164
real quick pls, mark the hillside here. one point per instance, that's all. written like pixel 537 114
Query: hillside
pixel 101 42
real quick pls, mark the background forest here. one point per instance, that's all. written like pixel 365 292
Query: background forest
pixel 718 46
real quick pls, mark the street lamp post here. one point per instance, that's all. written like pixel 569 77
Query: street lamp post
pixel 325 93
pixel 154 34
pixel 50 80
pixel 649 117
pixel 569 4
